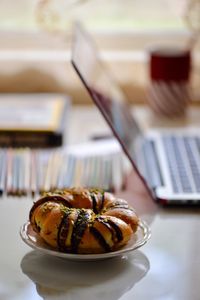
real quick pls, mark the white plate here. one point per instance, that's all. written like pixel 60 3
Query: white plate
pixel 35 241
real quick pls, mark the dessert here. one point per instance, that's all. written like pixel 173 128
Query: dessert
pixel 80 220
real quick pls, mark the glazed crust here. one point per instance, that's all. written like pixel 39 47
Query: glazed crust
pixel 80 220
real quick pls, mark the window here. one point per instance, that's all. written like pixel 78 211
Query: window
pixel 35 34
pixel 98 14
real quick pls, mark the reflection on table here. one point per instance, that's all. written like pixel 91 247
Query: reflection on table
pixel 61 279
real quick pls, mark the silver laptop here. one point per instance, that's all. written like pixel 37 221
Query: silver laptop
pixel 167 161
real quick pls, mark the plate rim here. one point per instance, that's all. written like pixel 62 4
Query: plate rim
pixel 25 236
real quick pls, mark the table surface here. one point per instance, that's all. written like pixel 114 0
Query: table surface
pixel 166 268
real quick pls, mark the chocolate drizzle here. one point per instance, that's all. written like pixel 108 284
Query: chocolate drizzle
pixel 94 203
pixel 117 230
pixel 100 239
pixel 114 229
pixel 79 229
pixel 102 200
pixel 63 231
pixel 37 227
pixel 107 225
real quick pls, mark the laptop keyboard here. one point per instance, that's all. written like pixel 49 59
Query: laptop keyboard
pixel 151 171
pixel 183 158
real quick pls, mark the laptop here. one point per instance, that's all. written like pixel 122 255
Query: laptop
pixel 167 161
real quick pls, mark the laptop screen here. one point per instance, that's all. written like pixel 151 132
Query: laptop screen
pixel 104 90
pixel 113 105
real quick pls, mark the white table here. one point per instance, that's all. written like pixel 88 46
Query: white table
pixel 166 268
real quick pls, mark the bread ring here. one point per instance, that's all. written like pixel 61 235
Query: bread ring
pixel 81 220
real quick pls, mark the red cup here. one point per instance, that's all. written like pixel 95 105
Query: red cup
pixel 169 73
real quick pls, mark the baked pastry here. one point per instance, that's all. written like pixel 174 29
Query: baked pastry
pixel 81 220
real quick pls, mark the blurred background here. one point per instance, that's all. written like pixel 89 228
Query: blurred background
pixel 36 36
